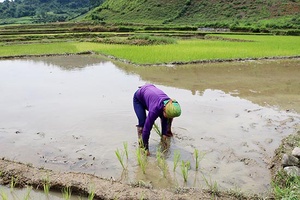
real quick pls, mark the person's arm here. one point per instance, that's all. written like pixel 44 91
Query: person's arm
pixel 147 128
pixel 166 125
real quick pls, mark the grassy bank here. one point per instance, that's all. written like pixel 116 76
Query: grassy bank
pixel 225 47
pixel 285 186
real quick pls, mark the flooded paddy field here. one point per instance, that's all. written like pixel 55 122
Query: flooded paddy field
pixel 71 113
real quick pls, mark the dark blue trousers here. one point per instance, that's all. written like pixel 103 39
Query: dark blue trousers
pixel 140 111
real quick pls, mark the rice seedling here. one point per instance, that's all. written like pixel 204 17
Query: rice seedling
pixel 236 192
pixel 164 167
pixel 142 197
pixel 46 185
pixel 125 145
pixel 212 186
pixel 196 154
pixel 212 49
pixel 188 164
pixel 176 159
pixel 66 193
pixel 141 155
pixel 184 170
pixel 162 164
pixel 27 195
pixel 262 46
pixel 198 157
pixel 3 195
pixel 13 183
pixel 156 129
pixel 120 156
pixel 158 156
pixel 91 193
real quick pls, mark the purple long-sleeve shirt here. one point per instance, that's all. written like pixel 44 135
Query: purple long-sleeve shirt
pixel 153 99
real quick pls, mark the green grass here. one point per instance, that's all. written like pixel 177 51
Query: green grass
pixel 182 51
pixel 286 186
pixel 191 50
pixel 202 13
pixel 38 49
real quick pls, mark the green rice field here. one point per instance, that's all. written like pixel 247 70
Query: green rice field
pixel 185 50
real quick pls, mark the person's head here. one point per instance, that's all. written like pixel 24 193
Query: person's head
pixel 171 108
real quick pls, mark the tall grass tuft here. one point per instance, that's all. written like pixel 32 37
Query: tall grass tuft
pixel 176 159
pixel 152 40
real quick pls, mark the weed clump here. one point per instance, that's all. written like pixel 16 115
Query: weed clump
pixel 146 39
pixel 138 40
pixel 286 186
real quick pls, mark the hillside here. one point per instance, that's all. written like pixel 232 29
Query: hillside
pixel 254 15
pixel 281 13
pixel 43 11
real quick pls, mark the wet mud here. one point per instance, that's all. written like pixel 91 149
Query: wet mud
pixel 70 113
pixel 83 184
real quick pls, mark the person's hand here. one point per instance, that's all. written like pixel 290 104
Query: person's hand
pixel 165 142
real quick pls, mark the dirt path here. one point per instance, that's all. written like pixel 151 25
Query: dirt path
pixel 80 183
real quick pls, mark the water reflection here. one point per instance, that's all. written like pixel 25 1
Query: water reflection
pixel 271 82
pixel 70 62
pixel 56 116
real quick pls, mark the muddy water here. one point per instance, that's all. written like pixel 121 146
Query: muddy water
pixel 72 114
pixel 30 193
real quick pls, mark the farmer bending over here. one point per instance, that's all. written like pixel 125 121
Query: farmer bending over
pixel 148 97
